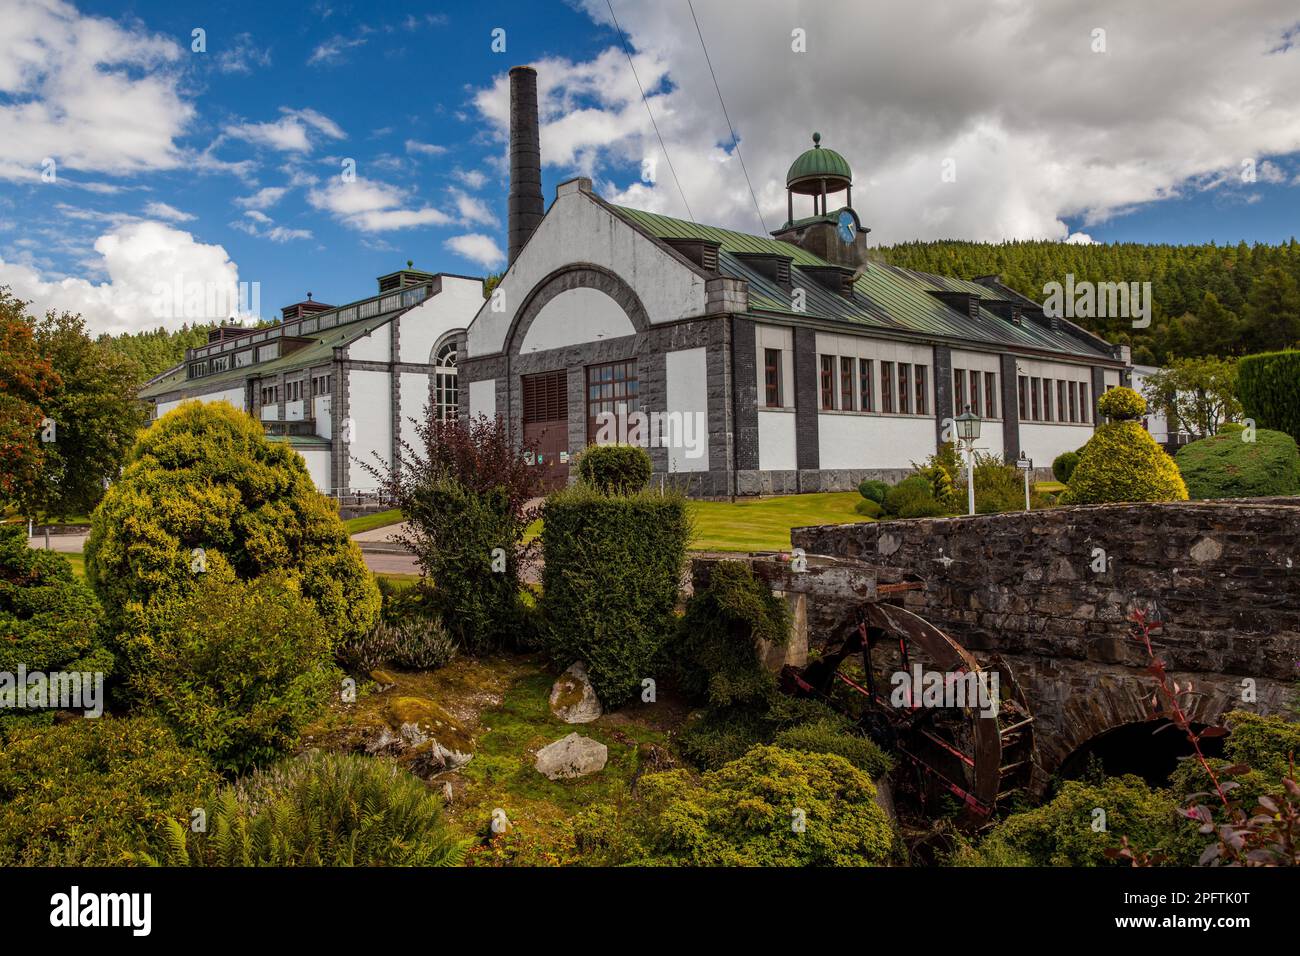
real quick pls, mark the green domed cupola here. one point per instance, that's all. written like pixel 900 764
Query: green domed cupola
pixel 819 171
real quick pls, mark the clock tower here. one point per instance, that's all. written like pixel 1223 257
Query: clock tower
pixel 837 235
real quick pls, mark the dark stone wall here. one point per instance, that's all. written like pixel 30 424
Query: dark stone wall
pixel 1223 577
pixel 807 434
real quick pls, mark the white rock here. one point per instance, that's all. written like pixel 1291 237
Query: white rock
pixel 573 699
pixel 571 756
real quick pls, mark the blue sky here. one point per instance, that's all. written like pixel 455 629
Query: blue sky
pixel 228 162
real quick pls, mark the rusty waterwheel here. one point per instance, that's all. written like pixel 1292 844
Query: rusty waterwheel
pixel 979 749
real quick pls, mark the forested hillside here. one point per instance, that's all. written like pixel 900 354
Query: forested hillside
pixel 157 350
pixel 1207 300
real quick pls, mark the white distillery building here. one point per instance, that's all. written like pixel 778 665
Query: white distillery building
pixel 759 364
pixel 339 384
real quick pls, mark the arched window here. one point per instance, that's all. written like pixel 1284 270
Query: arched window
pixel 446 395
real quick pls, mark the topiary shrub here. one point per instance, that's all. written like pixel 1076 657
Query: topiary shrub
pixel 913 497
pixel 869 508
pixel 49 620
pixel 90 792
pixel 772 807
pixel 203 487
pixel 873 490
pixel 1063 466
pixel 1268 386
pixel 614 469
pixel 236 668
pixel 613 567
pixel 1121 461
pixel 319 809
pixel 715 654
pixel 1224 466
pixel 1121 405
pixel 1061 832
pixel 832 735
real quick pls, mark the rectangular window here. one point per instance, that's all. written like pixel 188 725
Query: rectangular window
pixel 866 389
pixel 887 387
pixel 991 394
pixel 922 390
pixel 904 389
pixel 846 383
pixel 1036 396
pixel 1047 400
pixel 1062 409
pixel 1074 401
pixel 612 389
pixel 959 390
pixel 243 358
pixel 828 382
pixel 1022 391
pixel 975 392
pixel 1085 405
pixel 772 377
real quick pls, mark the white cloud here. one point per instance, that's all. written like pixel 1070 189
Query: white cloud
pixel 1080 239
pixel 262 199
pixel 86 92
pixel 334 50
pixel 372 206
pixel 161 210
pixel 242 56
pixel 1040 128
pixel 471 178
pixel 138 259
pixel 471 209
pixel 477 248
pixel 294 132
pixel 258 223
pixel 424 149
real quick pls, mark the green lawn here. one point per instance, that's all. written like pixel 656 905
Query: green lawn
pixel 764 524
pixel 381 519
pixel 78 564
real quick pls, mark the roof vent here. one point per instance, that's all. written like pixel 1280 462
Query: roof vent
pixel 836 278
pixel 306 307
pixel 406 277
pixel 702 252
pixel 1013 312
pixel 769 265
pixel 961 301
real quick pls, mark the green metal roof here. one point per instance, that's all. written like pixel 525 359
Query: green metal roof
pixel 818 163
pixel 318 352
pixel 887 298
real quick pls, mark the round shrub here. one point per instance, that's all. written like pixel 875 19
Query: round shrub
pixel 1268 386
pixel 869 508
pixel 1121 405
pixel 91 792
pixel 772 807
pixel 320 809
pixel 1224 466
pixel 873 490
pixel 613 567
pixel 49 620
pixel 1063 466
pixel 615 469
pixel 204 487
pixel 236 668
pixel 1060 832
pixel 1122 462
pixel 715 654
pixel 913 497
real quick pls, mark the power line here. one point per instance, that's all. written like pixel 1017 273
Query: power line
pixel 628 53
pixel 734 141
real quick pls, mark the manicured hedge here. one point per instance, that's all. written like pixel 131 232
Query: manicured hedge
pixel 613 567
pixel 1224 466
pixel 1063 466
pixel 615 469
pixel 1268 386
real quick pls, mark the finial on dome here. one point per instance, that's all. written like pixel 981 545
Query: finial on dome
pixel 817 140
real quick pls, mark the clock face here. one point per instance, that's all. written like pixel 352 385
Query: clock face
pixel 847 227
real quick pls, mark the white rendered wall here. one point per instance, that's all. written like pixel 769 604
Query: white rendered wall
pixel 775 337
pixel 776 441
pixel 318 466
pixel 847 440
pixel 576 316
pixel 687 385
pixel 1044 442
pixel 483 398
pixel 294 411
pixel 322 406
pixel 415 400
pixel 370 408
pixel 450 310
pixel 576 229
pixel 373 347
pixel 270 413
pixel 235 396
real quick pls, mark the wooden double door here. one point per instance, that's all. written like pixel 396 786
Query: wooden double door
pixel 546 425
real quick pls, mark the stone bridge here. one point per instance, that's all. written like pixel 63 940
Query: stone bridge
pixel 1051 592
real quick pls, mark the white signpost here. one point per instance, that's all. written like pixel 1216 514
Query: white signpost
pixel 1025 464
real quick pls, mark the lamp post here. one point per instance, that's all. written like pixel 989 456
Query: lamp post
pixel 968 430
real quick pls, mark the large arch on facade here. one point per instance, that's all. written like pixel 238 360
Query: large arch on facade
pixel 577 275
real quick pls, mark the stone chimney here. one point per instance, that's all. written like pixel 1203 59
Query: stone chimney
pixel 525 204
